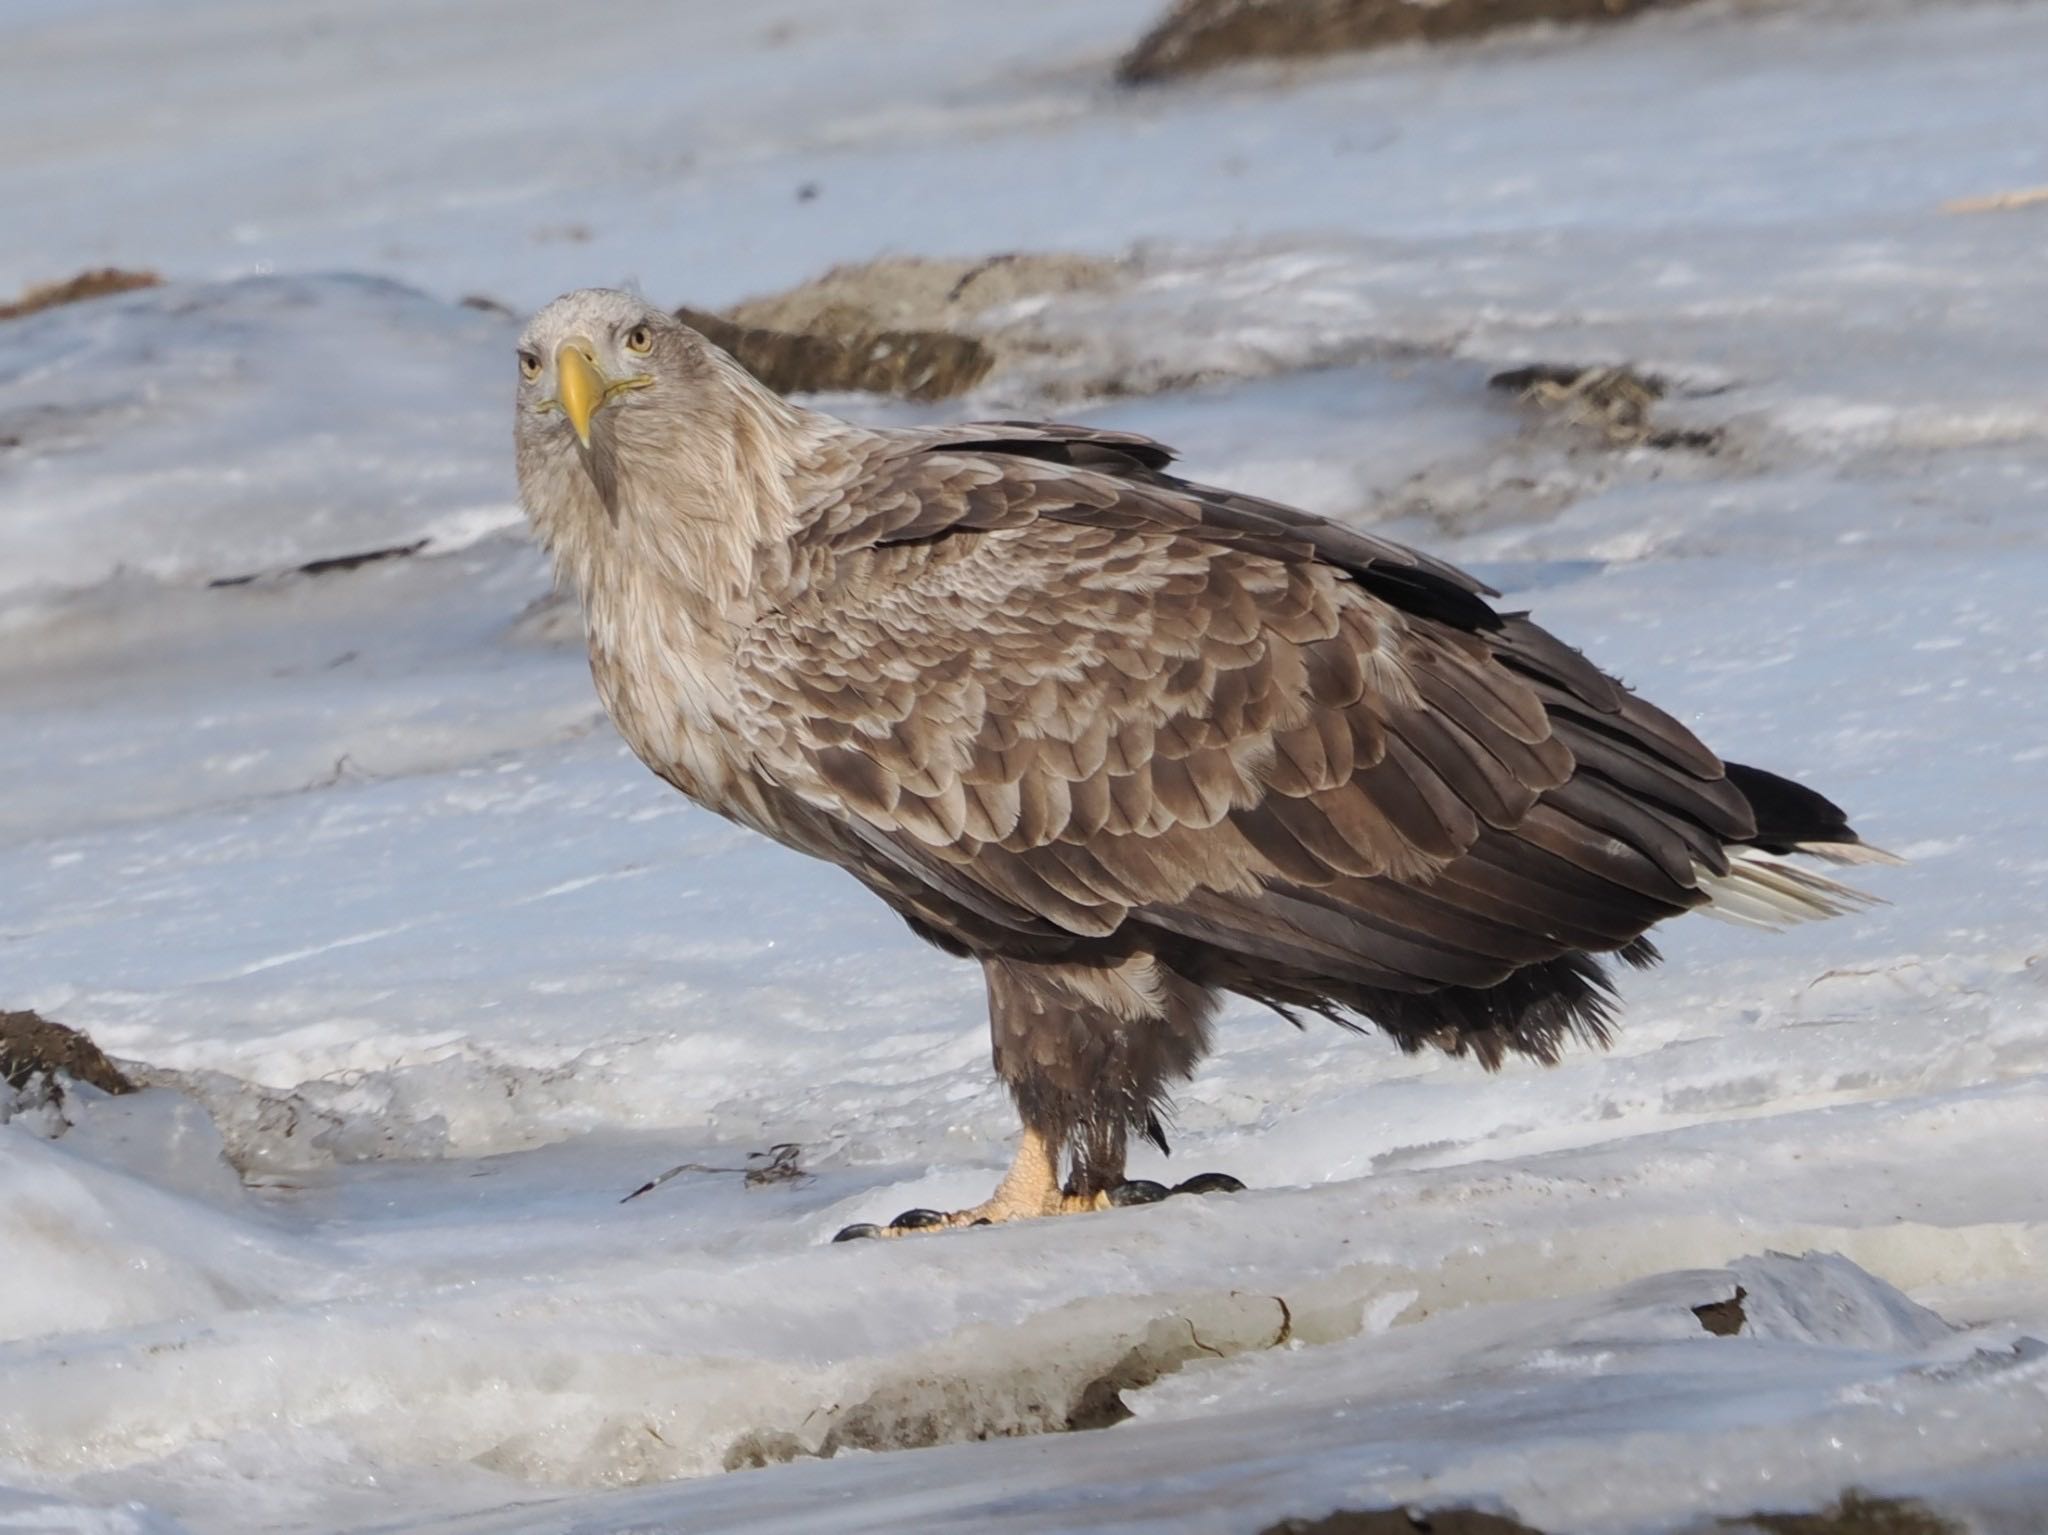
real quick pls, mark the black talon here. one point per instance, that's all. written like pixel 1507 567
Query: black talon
pixel 917 1220
pixel 1137 1191
pixel 1210 1183
pixel 857 1231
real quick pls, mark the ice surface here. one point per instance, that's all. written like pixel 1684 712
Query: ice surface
pixel 215 432
pixel 426 973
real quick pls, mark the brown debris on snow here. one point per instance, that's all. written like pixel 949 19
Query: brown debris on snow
pixel 1404 1521
pixel 31 1046
pixel 97 283
pixel 1856 1514
pixel 1206 34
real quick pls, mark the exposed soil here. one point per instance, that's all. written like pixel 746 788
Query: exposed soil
pixel 976 1386
pixel 1723 1318
pixel 1856 1514
pixel 34 1050
pixel 97 283
pixel 914 328
pixel 911 364
pixel 917 292
pixel 1196 35
pixel 1404 1521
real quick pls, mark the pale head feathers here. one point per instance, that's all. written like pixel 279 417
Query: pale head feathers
pixel 690 463
pixel 663 521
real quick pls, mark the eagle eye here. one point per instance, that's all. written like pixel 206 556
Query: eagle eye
pixel 640 340
pixel 529 366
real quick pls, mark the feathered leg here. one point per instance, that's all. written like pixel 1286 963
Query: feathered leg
pixel 1088 1052
pixel 1091 1050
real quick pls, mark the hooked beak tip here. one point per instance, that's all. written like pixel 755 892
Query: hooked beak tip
pixel 579 387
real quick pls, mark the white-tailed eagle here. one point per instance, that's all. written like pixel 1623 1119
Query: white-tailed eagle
pixel 1129 741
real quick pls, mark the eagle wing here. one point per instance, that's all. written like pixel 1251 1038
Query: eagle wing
pixel 1067 691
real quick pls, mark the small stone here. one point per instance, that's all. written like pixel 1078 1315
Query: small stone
pixel 1210 1183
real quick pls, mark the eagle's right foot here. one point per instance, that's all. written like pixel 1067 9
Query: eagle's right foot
pixel 1030 1190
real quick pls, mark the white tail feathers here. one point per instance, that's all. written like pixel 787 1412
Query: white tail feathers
pixel 1762 890
pixel 1851 852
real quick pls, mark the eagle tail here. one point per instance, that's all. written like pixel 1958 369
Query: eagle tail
pixel 1760 888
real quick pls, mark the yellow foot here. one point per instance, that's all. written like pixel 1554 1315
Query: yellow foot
pixel 993 1211
pixel 1031 1189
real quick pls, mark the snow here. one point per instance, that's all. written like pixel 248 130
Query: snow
pixel 426 974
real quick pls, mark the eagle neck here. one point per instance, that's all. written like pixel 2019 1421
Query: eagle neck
pixel 673 581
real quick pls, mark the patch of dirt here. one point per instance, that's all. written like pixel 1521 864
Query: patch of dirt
pixel 34 1052
pixel 916 292
pixel 910 364
pixel 1616 402
pixel 1724 1318
pixel 1404 1521
pixel 914 328
pixel 976 1386
pixel 1197 35
pixel 97 283
pixel 1856 1514
pixel 1100 1402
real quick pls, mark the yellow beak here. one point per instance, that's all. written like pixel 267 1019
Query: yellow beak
pixel 579 386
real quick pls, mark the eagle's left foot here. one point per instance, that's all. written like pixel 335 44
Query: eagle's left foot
pixel 1031 1189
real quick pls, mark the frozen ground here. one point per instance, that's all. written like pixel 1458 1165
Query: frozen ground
pixel 350 863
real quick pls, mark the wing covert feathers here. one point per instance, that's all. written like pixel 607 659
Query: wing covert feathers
pixel 1073 693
